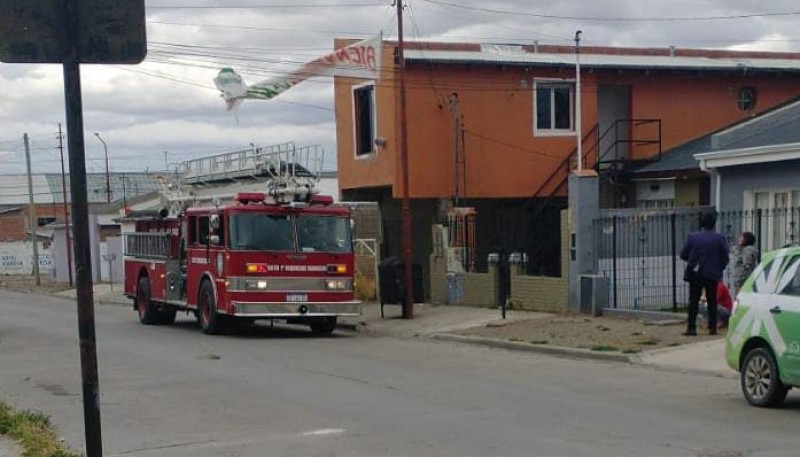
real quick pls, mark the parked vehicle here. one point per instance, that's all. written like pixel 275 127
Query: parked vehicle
pixel 763 340
pixel 285 254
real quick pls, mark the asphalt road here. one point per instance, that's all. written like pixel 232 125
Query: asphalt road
pixel 171 391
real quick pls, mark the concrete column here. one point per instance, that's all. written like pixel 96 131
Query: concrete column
pixel 584 207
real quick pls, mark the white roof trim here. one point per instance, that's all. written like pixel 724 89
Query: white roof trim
pixel 745 156
pixel 603 60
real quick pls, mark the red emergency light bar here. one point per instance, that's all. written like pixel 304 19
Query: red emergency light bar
pixel 247 197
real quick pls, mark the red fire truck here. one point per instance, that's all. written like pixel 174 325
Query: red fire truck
pixel 284 254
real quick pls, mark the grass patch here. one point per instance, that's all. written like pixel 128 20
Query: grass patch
pixel 637 333
pixel 33 431
pixel 631 351
pixel 604 348
pixel 603 328
pixel 539 342
pixel 648 342
pixel 674 343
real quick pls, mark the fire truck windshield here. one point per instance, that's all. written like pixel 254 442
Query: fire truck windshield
pixel 323 234
pixel 261 232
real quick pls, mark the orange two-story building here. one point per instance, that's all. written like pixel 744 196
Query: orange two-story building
pixel 494 127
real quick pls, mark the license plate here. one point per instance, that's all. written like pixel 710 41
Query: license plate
pixel 297 297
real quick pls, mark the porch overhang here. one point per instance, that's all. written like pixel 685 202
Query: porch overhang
pixel 748 156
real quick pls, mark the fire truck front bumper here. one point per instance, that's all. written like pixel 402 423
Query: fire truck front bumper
pixel 288 309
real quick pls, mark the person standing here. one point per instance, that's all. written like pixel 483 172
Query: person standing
pixel 745 259
pixel 706 255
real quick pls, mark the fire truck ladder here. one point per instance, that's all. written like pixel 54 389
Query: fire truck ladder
pixel 289 173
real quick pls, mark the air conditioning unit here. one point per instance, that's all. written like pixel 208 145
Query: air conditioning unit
pixel 594 294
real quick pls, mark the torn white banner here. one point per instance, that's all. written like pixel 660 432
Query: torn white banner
pixel 359 60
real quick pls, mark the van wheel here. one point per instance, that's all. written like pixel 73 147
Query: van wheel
pixel 759 378
pixel 211 322
pixel 323 325
pixel 148 311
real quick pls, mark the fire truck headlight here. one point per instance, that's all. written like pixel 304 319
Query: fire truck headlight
pixel 337 284
pixel 255 284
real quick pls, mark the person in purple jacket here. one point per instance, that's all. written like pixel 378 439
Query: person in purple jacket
pixel 706 256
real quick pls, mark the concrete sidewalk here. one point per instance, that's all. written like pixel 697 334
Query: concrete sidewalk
pixel 431 319
pixel 9 448
pixel 706 358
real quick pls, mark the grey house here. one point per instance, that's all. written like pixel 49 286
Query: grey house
pixel 755 168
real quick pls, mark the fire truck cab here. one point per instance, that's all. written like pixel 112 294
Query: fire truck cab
pixel 256 257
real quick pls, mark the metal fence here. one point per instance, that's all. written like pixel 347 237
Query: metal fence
pixel 639 252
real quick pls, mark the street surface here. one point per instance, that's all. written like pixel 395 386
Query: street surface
pixel 171 391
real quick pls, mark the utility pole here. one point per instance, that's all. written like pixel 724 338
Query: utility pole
pixel 108 179
pixel 66 208
pixel 578 130
pixel 408 305
pixel 455 110
pixel 124 195
pixel 166 162
pixel 32 219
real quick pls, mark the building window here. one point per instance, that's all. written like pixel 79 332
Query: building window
pixel 746 100
pixel 779 220
pixel 42 221
pixel 555 107
pixel 364 119
pixel 203 232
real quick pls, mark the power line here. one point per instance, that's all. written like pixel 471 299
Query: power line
pixel 281 6
pixel 612 18
pixel 513 146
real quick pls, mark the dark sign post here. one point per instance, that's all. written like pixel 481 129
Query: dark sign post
pixel 72 32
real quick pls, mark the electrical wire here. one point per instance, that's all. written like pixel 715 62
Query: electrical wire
pixel 280 6
pixel 611 18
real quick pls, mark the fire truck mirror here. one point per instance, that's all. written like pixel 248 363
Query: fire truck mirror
pixel 213 240
pixel 213 222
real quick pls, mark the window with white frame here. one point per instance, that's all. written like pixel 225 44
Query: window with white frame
pixel 779 221
pixel 364 119
pixel 555 107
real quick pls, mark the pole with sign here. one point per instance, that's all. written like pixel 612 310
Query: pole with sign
pixel 72 32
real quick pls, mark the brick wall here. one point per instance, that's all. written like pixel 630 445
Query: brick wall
pixel 478 289
pixel 543 293
pixel 14 224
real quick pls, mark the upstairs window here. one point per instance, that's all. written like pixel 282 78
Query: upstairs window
pixel 555 107
pixel 364 119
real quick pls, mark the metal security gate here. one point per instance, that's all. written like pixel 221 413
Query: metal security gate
pixel 639 250
pixel 367 253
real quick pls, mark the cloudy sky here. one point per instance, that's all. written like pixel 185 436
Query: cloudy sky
pixel 168 103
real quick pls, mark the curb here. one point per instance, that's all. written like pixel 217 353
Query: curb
pixel 528 347
pixel 674 369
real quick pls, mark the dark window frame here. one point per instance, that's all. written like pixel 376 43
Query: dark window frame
pixel 364 112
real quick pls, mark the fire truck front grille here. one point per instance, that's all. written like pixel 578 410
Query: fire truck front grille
pixel 348 308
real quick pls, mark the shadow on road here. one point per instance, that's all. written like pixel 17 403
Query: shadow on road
pixel 258 330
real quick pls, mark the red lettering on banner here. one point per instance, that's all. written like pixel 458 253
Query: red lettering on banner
pixel 342 55
pixel 355 56
pixel 371 58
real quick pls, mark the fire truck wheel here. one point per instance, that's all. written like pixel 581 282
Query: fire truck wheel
pixel 148 312
pixel 210 321
pixel 323 325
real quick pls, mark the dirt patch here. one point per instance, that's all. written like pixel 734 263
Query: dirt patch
pixel 629 336
pixel 27 284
